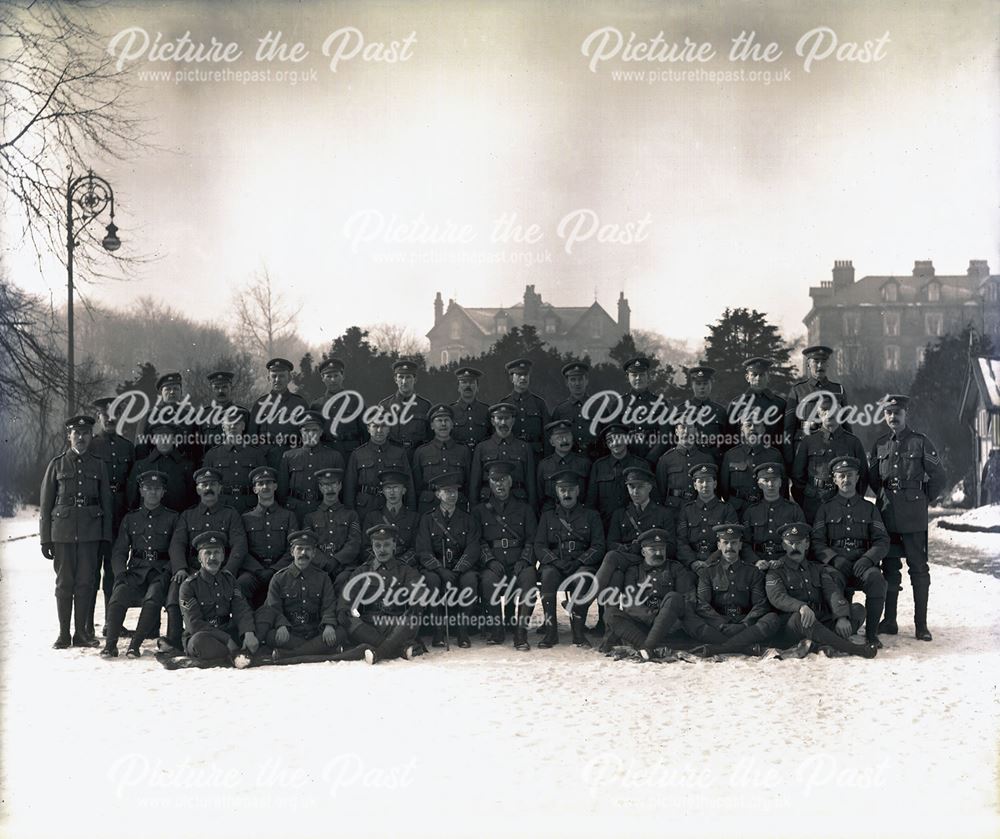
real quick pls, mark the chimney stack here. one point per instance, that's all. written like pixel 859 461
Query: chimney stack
pixel 438 309
pixel 624 313
pixel 923 268
pixel 979 269
pixel 843 274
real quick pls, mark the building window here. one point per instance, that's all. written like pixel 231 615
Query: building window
pixel 550 327
pixel 456 330
pixel 892 357
pixel 596 329
pixel 890 323
pixel 852 323
pixel 934 322
pixel 921 351
pixel 501 327
pixel 444 357
pixel 890 293
pixel 933 293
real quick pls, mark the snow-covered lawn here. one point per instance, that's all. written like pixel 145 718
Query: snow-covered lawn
pixel 489 742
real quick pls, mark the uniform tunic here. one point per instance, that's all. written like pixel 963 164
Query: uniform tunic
pixel 643 435
pixel 658 583
pixel 737 483
pixel 76 506
pixel 763 521
pixel 761 405
pixel 850 528
pixel 507 530
pixel 304 601
pixel 235 463
pixel 792 585
pixel 730 593
pixel 199 519
pixel 606 491
pixel 472 423
pixel 545 490
pixel 339 532
pixel 437 458
pixel 628 523
pixel 214 604
pixel 569 539
pixel 349 434
pixel 118 455
pixel 362 588
pixel 695 538
pixel 298 489
pixel 812 480
pixel 212 432
pixel 140 557
pixel 362 486
pixel 448 541
pixel 531 415
pixel 799 391
pixel 267 531
pixel 272 426
pixel 180 481
pixel 584 442
pixel 506 448
pixel 416 430
pixel 906 473
pixel 406 522
pixel 672 479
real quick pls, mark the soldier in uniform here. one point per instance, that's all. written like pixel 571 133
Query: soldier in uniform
pixel 337 529
pixel 531 414
pixel 560 433
pixel 849 537
pixel 362 487
pixel 167 458
pixel 169 388
pixel 209 514
pixel 809 599
pixel 380 605
pixel 413 433
pixel 906 474
pixel 696 523
pixel 275 416
pixel 658 590
pixel 141 567
pixel 438 457
pixel 448 549
pixel 763 521
pixel 349 434
pixel 234 460
pixel 577 376
pixel 297 488
pixel 503 445
pixel 803 392
pixel 507 529
pixel 732 613
pixel 638 398
pixel 738 476
pixel 472 417
pixel 627 525
pixel 267 527
pixel 673 468
pixel 76 516
pixel 812 483
pixel 569 538
pixel 300 616
pixel 118 455
pixel 218 621
pixel 762 404
pixel 606 489
pixel 395 513
pixel 221 406
pixel 711 421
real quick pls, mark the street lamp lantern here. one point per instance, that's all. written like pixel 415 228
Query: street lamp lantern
pixel 111 242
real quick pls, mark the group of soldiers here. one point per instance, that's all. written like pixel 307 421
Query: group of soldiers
pixel 277 536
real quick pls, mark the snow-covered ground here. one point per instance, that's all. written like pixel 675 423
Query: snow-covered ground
pixel 486 741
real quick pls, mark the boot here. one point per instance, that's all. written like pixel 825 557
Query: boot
pixel 828 638
pixel 600 627
pixel 113 625
pixel 609 641
pixel 578 627
pixel 437 635
pixel 174 628
pixel 149 618
pixel 551 629
pixel 522 616
pixel 81 612
pixel 888 626
pixel 463 637
pixel 64 609
pixel 921 590
pixel 631 634
pixel 497 635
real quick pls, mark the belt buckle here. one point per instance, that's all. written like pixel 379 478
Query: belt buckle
pixel 571 545
pixel 327 547
pixel 79 502
pixel 152 556
pixel 892 483
pixel 504 543
pixel 448 554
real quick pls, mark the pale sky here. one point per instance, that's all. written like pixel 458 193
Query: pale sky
pixel 741 193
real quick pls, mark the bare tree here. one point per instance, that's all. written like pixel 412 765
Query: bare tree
pixel 394 338
pixel 263 316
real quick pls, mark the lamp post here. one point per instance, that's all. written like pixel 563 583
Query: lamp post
pixel 87 195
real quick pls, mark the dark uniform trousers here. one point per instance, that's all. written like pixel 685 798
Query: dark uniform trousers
pixel 849 536
pixel 215 613
pixel 812 482
pixel 626 526
pixel 118 455
pixel 304 602
pixel 434 459
pixel 387 627
pixel 267 530
pixel 406 522
pixel 647 621
pixel 448 548
pixel 566 541
pixel 508 578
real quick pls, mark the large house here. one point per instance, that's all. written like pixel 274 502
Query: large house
pixel 884 323
pixel 460 331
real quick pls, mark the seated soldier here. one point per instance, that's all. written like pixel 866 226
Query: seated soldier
pixel 448 550
pixel 696 522
pixel 569 538
pixel 507 527
pixel 811 602
pixel 218 621
pixel 732 613
pixel 141 566
pixel 380 604
pixel 560 433
pixel 267 527
pixel 395 512
pixel 337 528
pixel 655 599
pixel 763 520
pixel 299 618
pixel 297 489
pixel 848 535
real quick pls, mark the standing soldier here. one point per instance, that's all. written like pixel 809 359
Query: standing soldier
pixel 763 521
pixel 906 474
pixel 118 455
pixel 208 515
pixel 349 434
pixel 569 538
pixel 234 460
pixel 472 417
pixel 275 416
pixel 168 397
pixel 141 567
pixel 803 391
pixel 402 518
pixel 560 433
pixel 711 422
pixel 812 483
pixel 762 404
pixel 503 446
pixel 638 398
pixel 810 601
pixel 531 414
pixel 507 528
pixel 848 535
pixel 415 431
pixel 738 476
pixel 577 378
pixel 76 516
pixel 673 469
pixel 267 527
pixel 438 457
pixel 448 548
pixel 696 523
pixel 606 490
pixel 222 405
pixel 167 458
pixel 337 529
pixel 297 488
pixel 362 486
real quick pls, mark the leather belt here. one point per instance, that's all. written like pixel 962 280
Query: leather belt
pixel 768 548
pixel 569 545
pixel 505 543
pixel 851 544
pixel 78 501
pixel 900 483
pixel 308 495
pixel 369 490
pixel 230 489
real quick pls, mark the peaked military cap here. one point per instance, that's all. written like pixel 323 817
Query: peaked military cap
pixel 729 531
pixel 468 373
pixel 153 478
pixel 220 376
pixel 614 428
pixel 382 531
pixel 653 536
pixel 768 470
pixel 519 365
pixel 330 473
pixel 331 364
pixel 639 474
pixel 703 470
pixel 499 467
pixel 566 476
pixel 80 422
pixel 701 374
pixel 757 364
pixel 795 530
pixel 441 410
pixel 448 480
pixel 392 476
pixel 206 473
pixel 819 352
pixel 575 368
pixel 503 408
pixel 235 413
pixel 302 537
pixel 896 400
pixel 103 403
pixel 843 463
pixel 168 379
pixel 559 425
pixel 162 427
pixel 279 365
pixel 209 539
pixel 313 418
pixel 404 365
pixel 263 473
